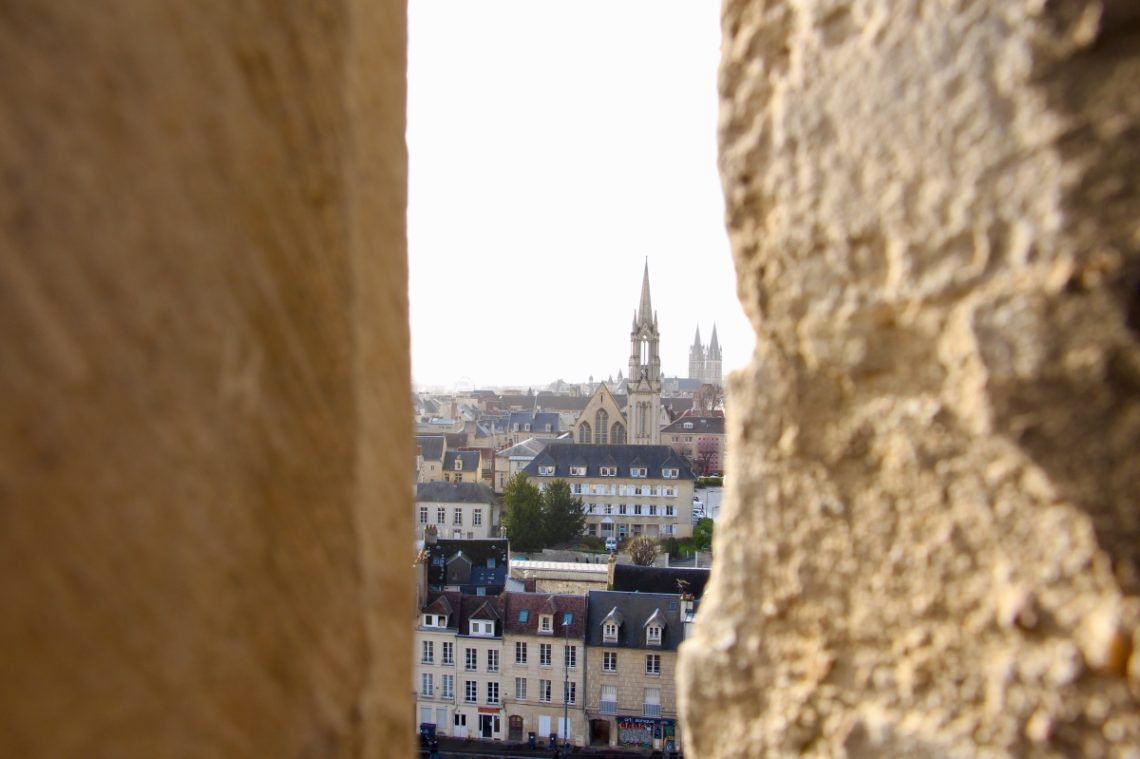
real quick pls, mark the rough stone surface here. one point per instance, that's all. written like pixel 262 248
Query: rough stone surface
pixel 930 541
pixel 203 321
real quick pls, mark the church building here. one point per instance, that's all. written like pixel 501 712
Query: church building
pixel 705 363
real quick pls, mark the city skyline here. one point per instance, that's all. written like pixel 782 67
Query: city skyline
pixel 538 192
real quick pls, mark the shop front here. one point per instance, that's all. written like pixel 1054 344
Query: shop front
pixel 647 733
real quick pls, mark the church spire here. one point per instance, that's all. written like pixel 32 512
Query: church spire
pixel 645 311
pixel 714 346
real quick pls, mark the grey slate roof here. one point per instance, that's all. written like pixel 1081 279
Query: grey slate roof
pixel 480 553
pixel 634 609
pixel 538 421
pixel 454 492
pixel 653 457
pixel 470 461
pixel 702 425
pixel 432 446
pixel 632 578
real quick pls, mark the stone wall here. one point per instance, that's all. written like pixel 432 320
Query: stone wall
pixel 203 331
pixel 930 541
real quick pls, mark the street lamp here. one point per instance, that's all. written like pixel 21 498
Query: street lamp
pixel 565 685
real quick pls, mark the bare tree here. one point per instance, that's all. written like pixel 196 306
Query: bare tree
pixel 643 551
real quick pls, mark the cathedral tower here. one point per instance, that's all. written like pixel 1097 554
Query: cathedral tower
pixel 644 384
pixel 697 358
pixel 713 373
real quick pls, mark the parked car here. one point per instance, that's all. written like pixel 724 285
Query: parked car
pixel 611 544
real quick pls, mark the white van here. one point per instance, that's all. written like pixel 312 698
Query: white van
pixel 611 544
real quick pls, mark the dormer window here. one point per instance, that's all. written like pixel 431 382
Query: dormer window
pixel 653 635
pixel 435 620
pixel 527 428
pixel 482 628
pixel 458 464
pixel 608 471
pixel 670 474
pixel 688 425
pixel 546 471
pixel 577 471
pixel 545 624
pixel 637 471
pixel 549 428
pixel 610 632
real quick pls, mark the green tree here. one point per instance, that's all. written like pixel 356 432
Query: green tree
pixel 703 534
pixel 522 520
pixel 562 518
pixel 642 550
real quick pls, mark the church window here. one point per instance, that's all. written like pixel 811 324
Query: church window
pixel 617 434
pixel 584 432
pixel 602 422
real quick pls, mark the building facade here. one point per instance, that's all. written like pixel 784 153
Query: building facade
pixel 700 439
pixel 626 490
pixel 544 666
pixel 456 510
pixel 631 661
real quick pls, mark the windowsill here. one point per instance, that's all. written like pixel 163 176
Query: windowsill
pixel 653 674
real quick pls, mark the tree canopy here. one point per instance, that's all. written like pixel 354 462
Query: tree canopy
pixel 703 534
pixel 562 518
pixel 522 517
pixel 642 550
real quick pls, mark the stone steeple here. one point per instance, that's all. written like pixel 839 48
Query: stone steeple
pixel 697 357
pixel 643 409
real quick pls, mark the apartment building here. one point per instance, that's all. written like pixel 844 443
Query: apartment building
pixel 627 490
pixel 631 664
pixel 543 672
pixel 456 510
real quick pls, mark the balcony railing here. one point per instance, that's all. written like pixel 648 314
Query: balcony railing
pixel 652 710
pixel 609 707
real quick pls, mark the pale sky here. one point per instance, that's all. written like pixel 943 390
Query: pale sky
pixel 553 148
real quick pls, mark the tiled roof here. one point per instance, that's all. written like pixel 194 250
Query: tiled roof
pixel 634 610
pixel 454 492
pixel 535 604
pixel 653 457
pixel 632 578
pixel 443 603
pixel 432 446
pixel 701 425
pixel 480 607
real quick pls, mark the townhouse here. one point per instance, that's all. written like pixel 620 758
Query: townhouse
pixel 457 510
pixel 631 664
pixel 543 673
pixel 700 439
pixel 626 490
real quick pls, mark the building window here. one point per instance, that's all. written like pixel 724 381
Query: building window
pixel 617 434
pixel 571 657
pixel 577 471
pixel 584 432
pixel 429 653
pixel 652 509
pixel 520 653
pixel 423 514
pixel 546 471
pixel 544 654
pixel 492 692
pixel 609 632
pixel 477 517
pixel 670 474
pixel 608 508
pixel 426 685
pixel 520 688
pixel 669 510
pixel 653 664
pixel 609 699
pixel 622 509
pixel 652 702
pixel 544 691
pixel 492 660
pixel 653 635
pixel 447 477
pixel 448 653
pixel 602 423
pixel 471 691
pixel 608 471
pixel 458 464
pixel 669 529
pixel 545 623
pixel 458 477
pixel 637 471
pixel 440 515
pixel 569 692
pixel 458 518
pixel 471 663
pixel 577 488
pixel 637 509
pixel 609 661
pixel 485 629
pixel 449 686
